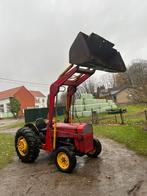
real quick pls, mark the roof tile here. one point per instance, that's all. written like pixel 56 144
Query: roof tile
pixel 9 93
pixel 37 94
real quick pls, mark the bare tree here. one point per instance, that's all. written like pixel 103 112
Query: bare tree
pixel 95 85
pixel 122 80
pixel 62 100
pixel 138 73
pixel 138 77
pixel 88 86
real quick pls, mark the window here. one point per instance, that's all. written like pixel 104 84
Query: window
pixel 1 108
pixel 8 107
pixel 37 100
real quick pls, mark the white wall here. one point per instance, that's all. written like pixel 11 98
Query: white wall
pixel 40 102
pixel 4 102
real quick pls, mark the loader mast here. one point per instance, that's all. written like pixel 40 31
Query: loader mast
pixel 66 79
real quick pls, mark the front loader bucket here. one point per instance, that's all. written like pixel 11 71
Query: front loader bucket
pixel 95 52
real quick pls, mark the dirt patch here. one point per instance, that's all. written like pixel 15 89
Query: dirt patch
pixel 7 122
pixel 12 130
pixel 118 172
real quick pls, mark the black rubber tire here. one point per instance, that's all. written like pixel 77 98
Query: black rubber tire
pixel 32 140
pixel 72 159
pixel 97 149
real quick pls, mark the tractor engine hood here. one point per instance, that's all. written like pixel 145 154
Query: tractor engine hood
pixel 78 127
pixel 95 52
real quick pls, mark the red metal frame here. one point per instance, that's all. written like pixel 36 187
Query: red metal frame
pixel 64 79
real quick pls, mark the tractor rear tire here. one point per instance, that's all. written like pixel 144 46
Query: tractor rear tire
pixel 97 149
pixel 65 160
pixel 27 145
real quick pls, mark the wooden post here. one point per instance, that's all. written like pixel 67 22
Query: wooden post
pixel 115 118
pixel 145 124
pixel 145 112
pixel 94 117
pixel 121 117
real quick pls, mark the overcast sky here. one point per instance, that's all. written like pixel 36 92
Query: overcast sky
pixel 35 35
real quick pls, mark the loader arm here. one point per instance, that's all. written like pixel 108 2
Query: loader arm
pixel 65 79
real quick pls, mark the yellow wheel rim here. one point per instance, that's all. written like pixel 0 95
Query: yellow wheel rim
pixel 63 160
pixel 22 146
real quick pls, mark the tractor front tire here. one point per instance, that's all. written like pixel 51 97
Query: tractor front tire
pixel 97 149
pixel 27 145
pixel 65 160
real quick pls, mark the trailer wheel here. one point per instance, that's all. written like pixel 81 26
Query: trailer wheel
pixel 27 145
pixel 97 149
pixel 65 160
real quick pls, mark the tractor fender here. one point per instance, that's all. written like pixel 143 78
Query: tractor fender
pixel 32 127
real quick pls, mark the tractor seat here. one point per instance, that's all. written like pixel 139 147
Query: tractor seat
pixel 41 125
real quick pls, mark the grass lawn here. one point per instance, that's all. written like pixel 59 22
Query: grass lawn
pixel 6 149
pixel 131 109
pixel 134 137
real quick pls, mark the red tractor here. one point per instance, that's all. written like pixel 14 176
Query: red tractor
pixel 68 140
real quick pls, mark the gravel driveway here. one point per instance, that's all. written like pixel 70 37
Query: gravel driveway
pixel 117 172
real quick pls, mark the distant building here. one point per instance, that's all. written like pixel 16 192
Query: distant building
pixel 104 93
pixel 40 99
pixel 25 97
pixel 122 96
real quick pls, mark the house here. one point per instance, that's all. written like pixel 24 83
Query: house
pixel 26 98
pixel 40 99
pixel 22 94
pixel 122 96
pixel 104 93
